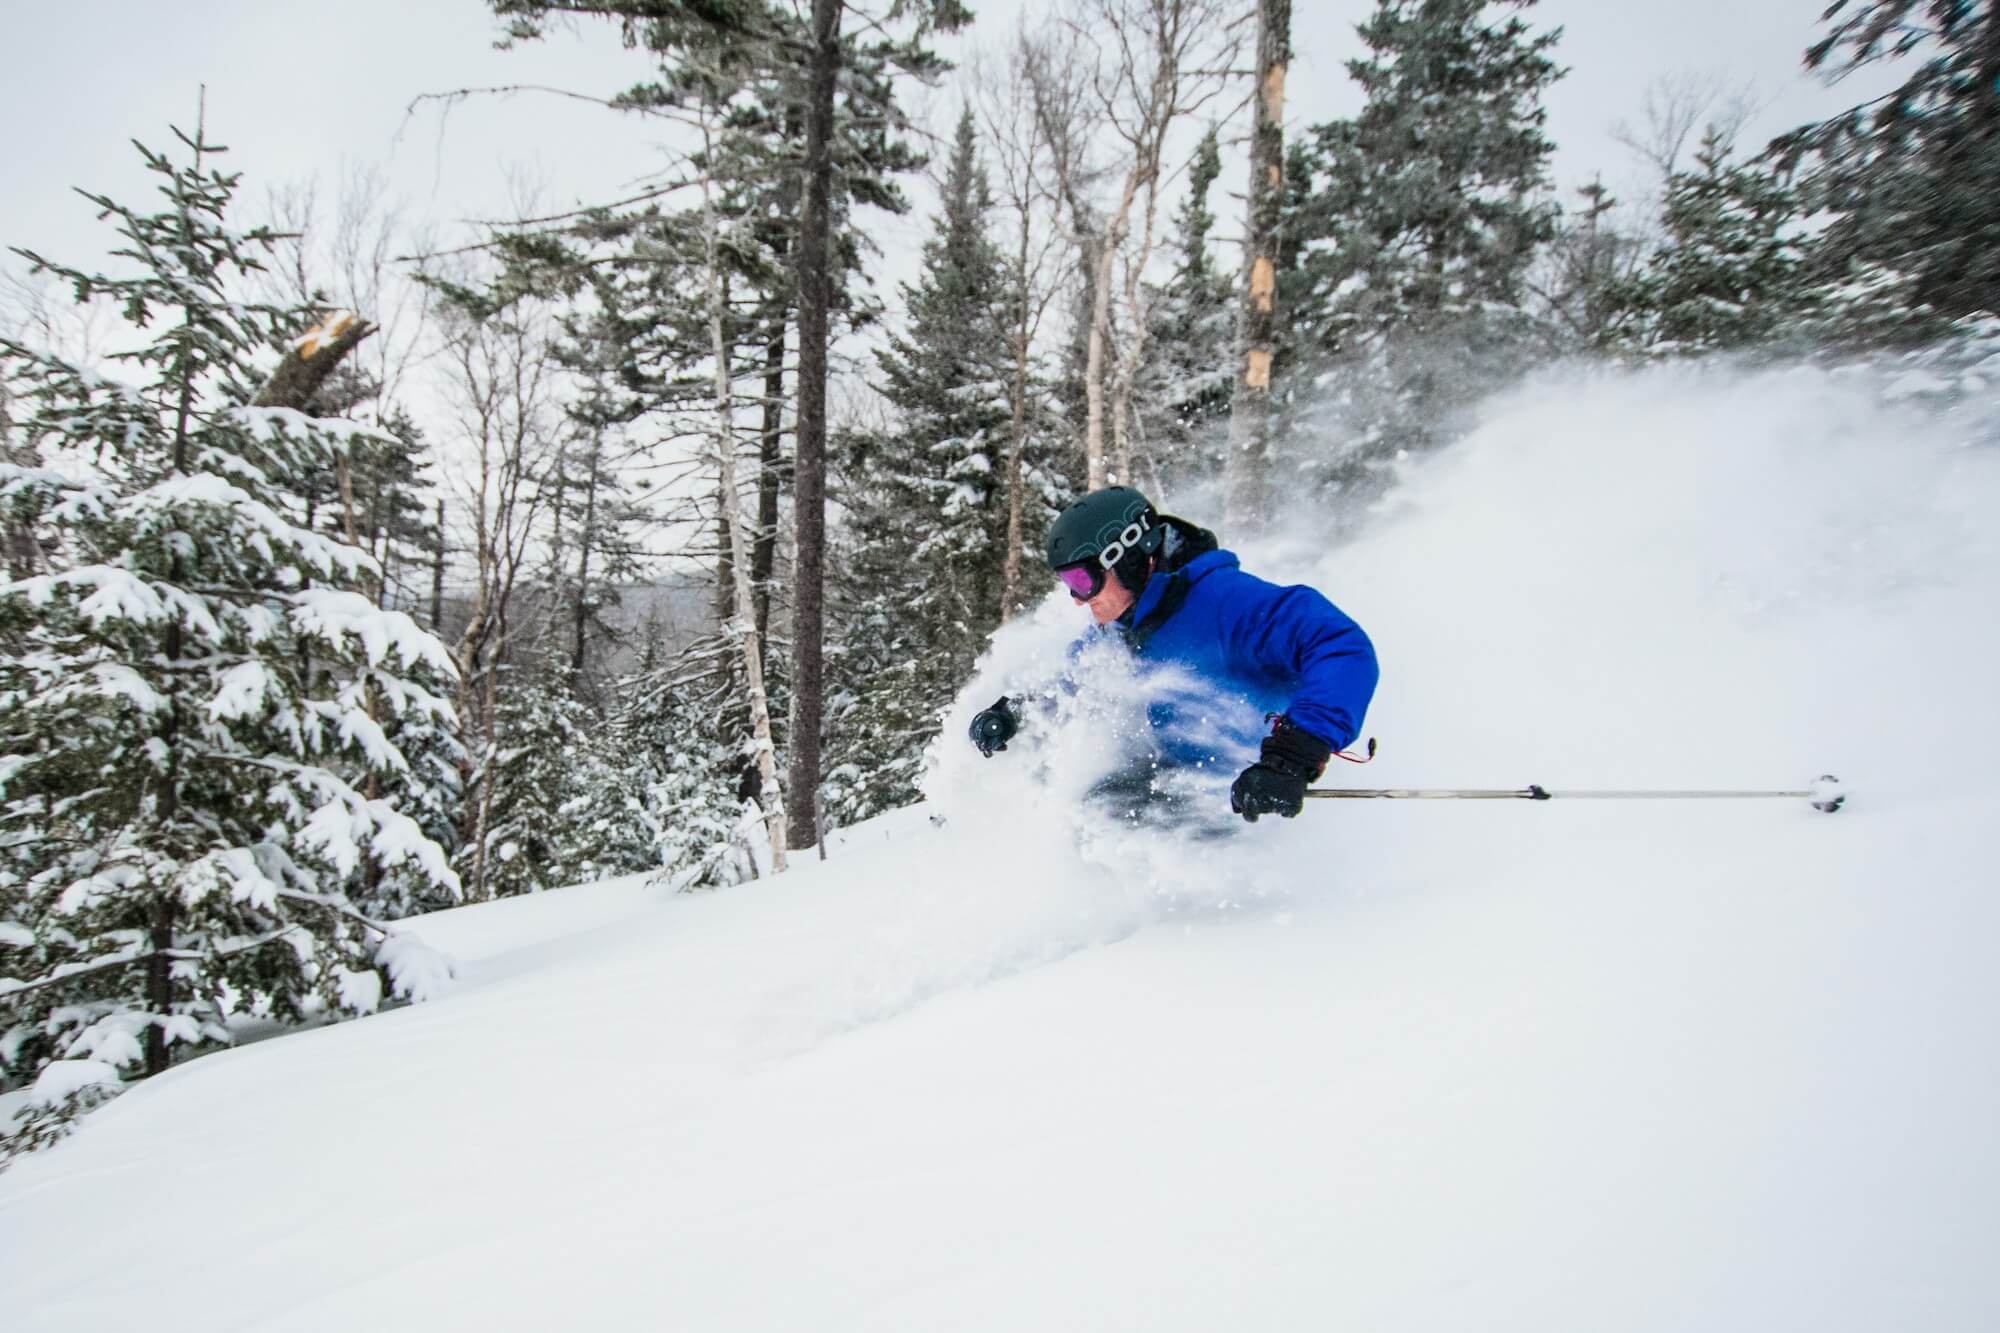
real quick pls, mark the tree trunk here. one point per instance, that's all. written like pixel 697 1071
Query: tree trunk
pixel 437 574
pixel 1093 361
pixel 1125 375
pixel 745 621
pixel 1247 471
pixel 24 553
pixel 771 460
pixel 809 479
pixel 343 473
pixel 1010 564
pixel 159 984
pixel 582 609
pixel 311 360
pixel 479 890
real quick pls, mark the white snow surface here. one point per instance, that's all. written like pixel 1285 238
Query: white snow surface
pixel 1475 1066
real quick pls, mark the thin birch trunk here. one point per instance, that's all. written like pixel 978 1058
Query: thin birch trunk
pixel 1010 565
pixel 744 620
pixel 1097 349
pixel 1133 353
pixel 1093 362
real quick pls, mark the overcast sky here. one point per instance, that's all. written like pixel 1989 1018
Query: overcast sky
pixel 298 91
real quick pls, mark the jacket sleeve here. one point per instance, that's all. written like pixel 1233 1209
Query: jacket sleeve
pixel 1295 635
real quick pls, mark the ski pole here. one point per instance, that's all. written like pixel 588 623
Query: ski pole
pixel 1825 794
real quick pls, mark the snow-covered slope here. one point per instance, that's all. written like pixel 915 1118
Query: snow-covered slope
pixel 1387 1066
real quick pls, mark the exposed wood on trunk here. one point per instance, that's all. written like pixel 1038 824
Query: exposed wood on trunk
pixel 1246 472
pixel 314 357
pixel 298 379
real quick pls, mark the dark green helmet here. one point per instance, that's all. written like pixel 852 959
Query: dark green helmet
pixel 1116 521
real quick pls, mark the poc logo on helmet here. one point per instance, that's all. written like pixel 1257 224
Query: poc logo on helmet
pixel 1127 539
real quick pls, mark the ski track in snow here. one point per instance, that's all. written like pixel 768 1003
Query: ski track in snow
pixel 1411 1066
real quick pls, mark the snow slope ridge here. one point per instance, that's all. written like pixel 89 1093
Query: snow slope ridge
pixel 1440 1066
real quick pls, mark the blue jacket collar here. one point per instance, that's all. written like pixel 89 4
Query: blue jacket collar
pixel 1156 589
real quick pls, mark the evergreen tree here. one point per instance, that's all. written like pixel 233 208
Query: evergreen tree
pixel 1729 274
pixel 1185 396
pixel 563 807
pixel 395 523
pixel 840 124
pixel 1588 275
pixel 1424 216
pixel 688 767
pixel 596 547
pixel 190 698
pixel 927 504
pixel 1910 178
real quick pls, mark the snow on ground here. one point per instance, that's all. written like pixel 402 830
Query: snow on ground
pixel 1387 1066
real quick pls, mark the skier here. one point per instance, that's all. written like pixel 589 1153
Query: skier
pixel 1282 656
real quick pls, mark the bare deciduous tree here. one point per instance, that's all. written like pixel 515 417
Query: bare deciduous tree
pixel 1021 158
pixel 1126 73
pixel 499 380
pixel 348 259
pixel 743 625
pixel 1676 107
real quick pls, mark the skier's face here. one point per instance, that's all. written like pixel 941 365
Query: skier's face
pixel 1113 600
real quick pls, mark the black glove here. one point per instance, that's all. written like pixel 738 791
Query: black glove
pixel 995 726
pixel 1287 762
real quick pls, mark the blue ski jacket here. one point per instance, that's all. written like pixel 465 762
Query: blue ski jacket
pixel 1240 648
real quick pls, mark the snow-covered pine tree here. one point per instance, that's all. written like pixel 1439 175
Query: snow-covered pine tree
pixel 186 691
pixel 371 493
pixel 563 807
pixel 1730 273
pixel 687 762
pixel 394 519
pixel 1184 397
pixel 1425 214
pixel 928 505
pixel 1909 179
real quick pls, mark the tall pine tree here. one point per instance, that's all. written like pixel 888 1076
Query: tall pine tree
pixel 1910 178
pixel 928 505
pixel 1425 213
pixel 190 696
pixel 1185 399
pixel 1729 274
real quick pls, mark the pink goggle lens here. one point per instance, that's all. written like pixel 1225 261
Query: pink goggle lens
pixel 1083 581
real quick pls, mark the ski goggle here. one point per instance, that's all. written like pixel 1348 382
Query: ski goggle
pixel 1083 581
pixel 1086 580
